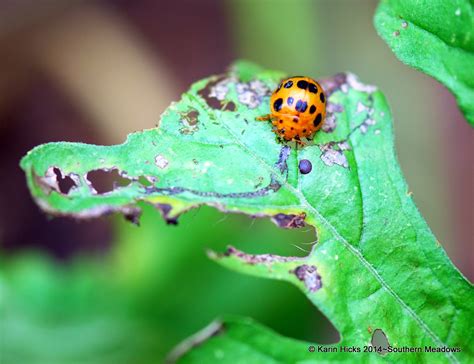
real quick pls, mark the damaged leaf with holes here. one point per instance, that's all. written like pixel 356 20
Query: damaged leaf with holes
pixel 376 266
pixel 435 37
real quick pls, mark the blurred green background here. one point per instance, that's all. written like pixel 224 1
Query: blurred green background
pixel 106 291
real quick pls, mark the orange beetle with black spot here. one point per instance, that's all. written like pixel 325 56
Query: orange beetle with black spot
pixel 298 108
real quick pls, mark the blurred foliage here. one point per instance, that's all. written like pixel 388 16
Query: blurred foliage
pixel 285 34
pixel 436 37
pixel 155 288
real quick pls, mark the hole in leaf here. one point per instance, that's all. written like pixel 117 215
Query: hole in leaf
pixel 286 309
pixel 215 92
pixel 65 183
pixel 104 180
pixel 380 342
pixel 229 106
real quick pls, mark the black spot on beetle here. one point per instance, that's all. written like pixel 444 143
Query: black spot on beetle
pixel 301 106
pixel 313 88
pixel 295 120
pixel 290 100
pixel 304 130
pixel 317 120
pixel 288 84
pixel 281 121
pixel 305 166
pixel 277 104
pixel 302 84
pixel 322 97
pixel 312 109
pixel 292 128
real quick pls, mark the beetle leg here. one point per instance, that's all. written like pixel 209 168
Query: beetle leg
pixel 298 141
pixel 264 117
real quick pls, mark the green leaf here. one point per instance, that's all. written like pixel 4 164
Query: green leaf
pixel 436 37
pixel 73 313
pixel 237 340
pixel 376 264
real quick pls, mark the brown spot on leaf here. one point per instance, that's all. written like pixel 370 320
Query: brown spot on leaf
pixel 189 120
pixel 309 276
pixel 192 117
pixel 289 221
pixel 257 258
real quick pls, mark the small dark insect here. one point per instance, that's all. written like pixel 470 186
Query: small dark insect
pixel 305 166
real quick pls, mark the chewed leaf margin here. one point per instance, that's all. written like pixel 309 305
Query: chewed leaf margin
pixel 370 235
pixel 55 188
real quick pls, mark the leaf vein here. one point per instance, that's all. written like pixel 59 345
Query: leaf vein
pixel 356 252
